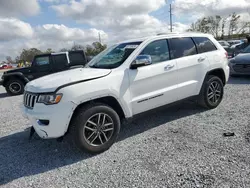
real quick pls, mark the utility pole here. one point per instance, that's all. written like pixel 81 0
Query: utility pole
pixel 171 22
pixel 100 40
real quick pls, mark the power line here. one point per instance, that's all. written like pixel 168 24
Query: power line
pixel 171 21
pixel 100 40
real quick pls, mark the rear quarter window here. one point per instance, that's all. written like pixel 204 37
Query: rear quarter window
pixel 77 59
pixel 204 44
pixel 182 47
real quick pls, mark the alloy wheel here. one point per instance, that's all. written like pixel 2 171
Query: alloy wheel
pixel 214 93
pixel 98 129
pixel 15 87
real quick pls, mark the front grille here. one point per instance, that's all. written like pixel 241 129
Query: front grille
pixel 29 99
pixel 242 68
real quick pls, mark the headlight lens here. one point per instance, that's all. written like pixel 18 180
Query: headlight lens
pixel 50 99
pixel 232 61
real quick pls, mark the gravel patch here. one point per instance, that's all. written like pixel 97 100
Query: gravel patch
pixel 178 146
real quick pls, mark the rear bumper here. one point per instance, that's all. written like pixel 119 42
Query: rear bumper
pixel 227 73
pixel 233 72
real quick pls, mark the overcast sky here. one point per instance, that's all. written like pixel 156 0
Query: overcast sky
pixel 58 23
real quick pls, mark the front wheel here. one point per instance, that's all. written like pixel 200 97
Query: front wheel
pixel 212 92
pixel 14 87
pixel 95 128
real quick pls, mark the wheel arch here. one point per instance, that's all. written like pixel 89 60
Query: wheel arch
pixel 11 76
pixel 219 72
pixel 108 100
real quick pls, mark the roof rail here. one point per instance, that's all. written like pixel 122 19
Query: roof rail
pixel 168 33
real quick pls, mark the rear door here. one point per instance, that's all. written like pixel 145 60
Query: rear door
pixel 190 66
pixel 156 84
pixel 59 62
pixel 77 58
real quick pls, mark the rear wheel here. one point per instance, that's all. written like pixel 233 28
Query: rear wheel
pixel 95 128
pixel 14 87
pixel 212 92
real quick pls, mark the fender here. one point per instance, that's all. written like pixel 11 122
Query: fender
pixel 126 110
pixel 217 72
pixel 15 74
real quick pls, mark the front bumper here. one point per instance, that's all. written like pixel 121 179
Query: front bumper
pixel 58 115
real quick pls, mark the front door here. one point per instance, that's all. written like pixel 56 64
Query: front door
pixel 156 84
pixel 41 66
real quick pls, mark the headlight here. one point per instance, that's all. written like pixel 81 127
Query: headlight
pixel 50 99
pixel 232 61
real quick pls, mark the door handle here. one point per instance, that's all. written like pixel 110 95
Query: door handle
pixel 201 59
pixel 168 67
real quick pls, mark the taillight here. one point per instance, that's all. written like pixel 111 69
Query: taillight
pixel 226 54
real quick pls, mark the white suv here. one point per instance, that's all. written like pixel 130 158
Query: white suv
pixel 124 80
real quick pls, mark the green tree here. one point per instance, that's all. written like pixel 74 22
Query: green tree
pixel 64 50
pixel 28 54
pixel 233 24
pixel 49 50
pixel 77 47
pixel 98 47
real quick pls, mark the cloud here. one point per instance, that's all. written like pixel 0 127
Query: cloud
pixel 114 20
pixel 211 7
pixel 63 33
pixel 89 10
pixel 55 1
pixel 12 29
pixel 117 16
pixel 121 19
pixel 11 8
pixel 21 35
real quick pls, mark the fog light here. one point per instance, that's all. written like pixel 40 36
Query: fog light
pixel 43 122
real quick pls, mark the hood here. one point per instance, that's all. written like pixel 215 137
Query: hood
pixel 242 58
pixel 53 81
pixel 24 70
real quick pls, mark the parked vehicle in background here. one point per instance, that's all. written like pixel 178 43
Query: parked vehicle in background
pixel 240 64
pixel 224 44
pixel 15 80
pixel 234 42
pixel 6 66
pixel 124 80
pixel 235 46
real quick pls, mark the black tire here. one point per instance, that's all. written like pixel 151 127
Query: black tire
pixel 14 87
pixel 78 130
pixel 205 95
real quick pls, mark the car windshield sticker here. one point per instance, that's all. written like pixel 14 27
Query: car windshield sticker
pixel 130 46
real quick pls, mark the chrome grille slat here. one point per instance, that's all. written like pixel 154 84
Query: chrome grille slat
pixel 30 99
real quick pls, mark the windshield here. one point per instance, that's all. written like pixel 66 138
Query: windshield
pixel 246 50
pixel 114 56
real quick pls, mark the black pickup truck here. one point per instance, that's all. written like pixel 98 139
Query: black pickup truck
pixel 15 80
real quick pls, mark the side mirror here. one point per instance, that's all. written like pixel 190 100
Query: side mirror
pixel 140 61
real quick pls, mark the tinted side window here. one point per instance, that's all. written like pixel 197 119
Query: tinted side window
pixel 77 59
pixel 158 50
pixel 181 47
pixel 59 62
pixel 40 61
pixel 204 44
